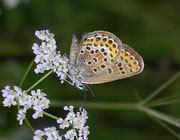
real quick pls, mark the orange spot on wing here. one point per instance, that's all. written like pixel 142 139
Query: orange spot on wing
pixel 85 42
pixel 114 54
pixel 96 42
pixel 131 62
pixel 102 42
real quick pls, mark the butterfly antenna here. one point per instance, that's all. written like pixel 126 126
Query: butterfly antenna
pixel 91 91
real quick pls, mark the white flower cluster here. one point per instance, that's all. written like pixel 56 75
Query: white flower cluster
pixel 75 121
pixel 36 101
pixel 51 133
pixel 47 58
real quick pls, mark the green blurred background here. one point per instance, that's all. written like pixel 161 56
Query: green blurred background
pixel 152 28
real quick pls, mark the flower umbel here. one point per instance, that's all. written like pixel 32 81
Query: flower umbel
pixel 50 133
pixel 76 121
pixel 36 101
pixel 47 58
pixel 74 124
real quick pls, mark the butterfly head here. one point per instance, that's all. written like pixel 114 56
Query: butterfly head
pixel 76 79
pixel 79 85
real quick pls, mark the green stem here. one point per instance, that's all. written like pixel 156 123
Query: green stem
pixel 50 115
pixel 169 119
pixel 120 106
pixel 29 125
pixel 155 104
pixel 166 127
pixel 97 105
pixel 156 92
pixel 26 73
pixel 20 85
pixel 40 80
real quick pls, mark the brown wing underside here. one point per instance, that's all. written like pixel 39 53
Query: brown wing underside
pixel 129 63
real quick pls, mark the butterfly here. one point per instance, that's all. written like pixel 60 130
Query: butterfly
pixel 101 57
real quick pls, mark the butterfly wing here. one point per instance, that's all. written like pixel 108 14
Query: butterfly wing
pixel 101 57
pixel 99 50
pixel 128 64
pixel 74 50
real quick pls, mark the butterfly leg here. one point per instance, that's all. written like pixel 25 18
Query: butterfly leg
pixel 70 82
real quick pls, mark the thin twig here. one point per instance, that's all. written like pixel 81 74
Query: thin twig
pixel 20 85
pixel 97 105
pixel 155 104
pixel 39 81
pixel 29 125
pixel 26 73
pixel 156 92
pixel 164 117
pixel 50 115
pixel 166 127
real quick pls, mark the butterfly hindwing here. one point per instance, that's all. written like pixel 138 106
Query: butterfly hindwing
pixel 128 64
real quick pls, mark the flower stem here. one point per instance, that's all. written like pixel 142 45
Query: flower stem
pixel 50 115
pixel 166 127
pixel 121 106
pixel 20 85
pixel 97 105
pixel 40 80
pixel 29 125
pixel 156 92
pixel 161 103
pixel 161 116
pixel 26 73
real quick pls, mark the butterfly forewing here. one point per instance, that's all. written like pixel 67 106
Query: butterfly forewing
pixel 99 51
pixel 74 50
